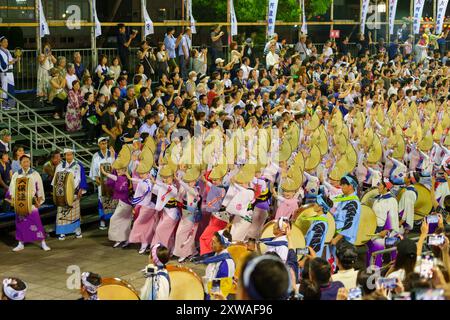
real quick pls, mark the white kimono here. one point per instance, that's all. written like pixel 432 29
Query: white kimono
pixel 406 207
pixel 7 76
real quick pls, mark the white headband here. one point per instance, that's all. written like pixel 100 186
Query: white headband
pixel 12 293
pixel 89 286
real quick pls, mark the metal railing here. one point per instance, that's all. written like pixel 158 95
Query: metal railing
pixel 43 135
pixel 377 253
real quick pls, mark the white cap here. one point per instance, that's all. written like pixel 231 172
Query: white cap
pixel 68 150
pixel 102 139
pixel 219 60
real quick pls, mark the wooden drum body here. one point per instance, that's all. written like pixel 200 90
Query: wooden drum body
pixel 63 189
pixel 367 225
pixel 185 284
pixel 423 205
pixel 106 192
pixel 23 200
pixel 116 289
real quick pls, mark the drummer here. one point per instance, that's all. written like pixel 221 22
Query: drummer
pixel 90 282
pixel 348 211
pixel 316 234
pixel 68 218
pixel 29 228
pixel 220 265
pixel 279 244
pixel 385 207
pixel 13 289
pixel 103 156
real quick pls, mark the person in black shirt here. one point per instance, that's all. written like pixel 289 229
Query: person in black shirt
pixel 123 43
pixel 343 46
pixel 129 133
pixel 108 122
pixel 90 116
pixel 5 179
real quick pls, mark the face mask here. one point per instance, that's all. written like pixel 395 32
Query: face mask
pixel 113 110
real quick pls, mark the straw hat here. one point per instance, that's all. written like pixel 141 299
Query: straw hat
pixel 285 151
pixel 293 135
pixel 314 158
pixel 218 172
pixel 143 168
pixel 192 174
pixel 166 172
pixel 337 172
pixel 375 150
pixel 299 161
pixel 150 144
pixel 426 143
pixel 314 122
pixel 399 147
pixel 438 132
pixel 246 174
pixel 123 158
pixel 147 157
pixel 292 182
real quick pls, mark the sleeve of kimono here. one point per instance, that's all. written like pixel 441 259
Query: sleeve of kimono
pixel 3 62
pixel 94 170
pixel 111 176
pixel 188 188
pixel 83 181
pixel 314 236
pixel 39 187
pixel 223 271
pixel 352 210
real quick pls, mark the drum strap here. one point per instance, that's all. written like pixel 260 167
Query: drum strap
pixel 344 198
pixel 316 219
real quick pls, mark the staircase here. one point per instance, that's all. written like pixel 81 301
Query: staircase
pixel 32 125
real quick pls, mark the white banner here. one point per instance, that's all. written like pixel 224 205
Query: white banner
pixel 364 10
pixel 233 20
pixel 148 29
pixel 272 17
pixel 190 16
pixel 43 26
pixel 418 8
pixel 98 26
pixel 440 14
pixel 304 28
pixel 392 11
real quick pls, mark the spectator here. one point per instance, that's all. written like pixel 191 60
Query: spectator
pixel 5 140
pixel 171 45
pixel 199 60
pixel 61 66
pixel 109 122
pixel 46 62
pixel 115 69
pixel 90 117
pixel 320 275
pixel 73 114
pixel 124 42
pixel 184 50
pixel 216 43
pixel 162 57
pixel 80 70
pixel 48 171
pixel 106 89
pixel 148 59
pixel 101 71
pixel 57 94
pixel 5 179
pixel 87 85
pixel 346 260
pixel 18 151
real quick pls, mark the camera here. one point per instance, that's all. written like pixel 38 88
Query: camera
pixel 435 240
pixel 388 283
pixel 134 31
pixel 426 267
pixel 302 251
pixel 432 219
pixel 150 271
pixel 355 294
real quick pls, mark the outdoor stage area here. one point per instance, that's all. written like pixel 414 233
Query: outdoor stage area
pixel 45 272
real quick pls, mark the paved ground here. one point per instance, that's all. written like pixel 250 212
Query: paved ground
pixel 46 272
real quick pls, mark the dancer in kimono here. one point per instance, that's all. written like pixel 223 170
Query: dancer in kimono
pixel 144 201
pixel 68 218
pixel 168 204
pixel 106 205
pixel 189 195
pixel 29 228
pixel 157 282
pixel 6 74
pixel 263 196
pixel 385 207
pixel 219 216
pixel 120 223
pixel 239 202
pixel 220 265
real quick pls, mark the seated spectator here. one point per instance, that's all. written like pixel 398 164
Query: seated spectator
pixel 57 94
pixel 90 118
pixel 115 69
pixel 87 85
pixel 49 172
pixel 5 179
pixel 70 76
pixel 346 259
pixel 18 151
pixel 149 126
pixel 13 289
pixel 80 70
pixel 320 275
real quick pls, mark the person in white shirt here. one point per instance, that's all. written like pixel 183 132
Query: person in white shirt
pixel 346 259
pixel 245 67
pixel 327 51
pixel 149 126
pixel 272 58
pixel 70 76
